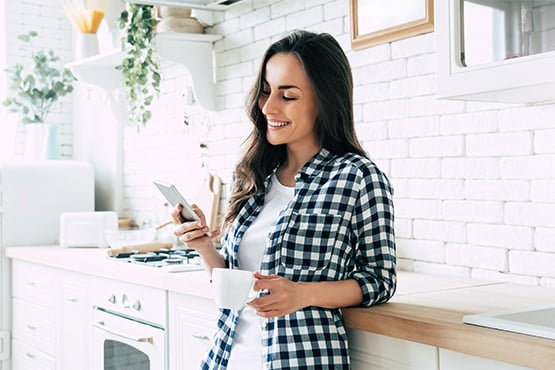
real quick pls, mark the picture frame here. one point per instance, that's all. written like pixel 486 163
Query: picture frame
pixel 375 22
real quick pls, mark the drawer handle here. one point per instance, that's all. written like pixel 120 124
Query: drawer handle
pixel 100 325
pixel 30 355
pixel 72 300
pixel 31 327
pixel 32 283
pixel 200 336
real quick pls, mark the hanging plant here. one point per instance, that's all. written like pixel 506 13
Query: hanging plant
pixel 140 68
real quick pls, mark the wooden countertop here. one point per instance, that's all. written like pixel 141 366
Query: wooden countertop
pixel 425 309
pixel 429 310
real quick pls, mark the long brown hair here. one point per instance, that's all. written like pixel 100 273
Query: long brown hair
pixel 329 73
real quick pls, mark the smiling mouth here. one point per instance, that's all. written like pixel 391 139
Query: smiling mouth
pixel 277 123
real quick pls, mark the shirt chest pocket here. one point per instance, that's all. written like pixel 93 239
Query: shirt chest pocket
pixel 309 241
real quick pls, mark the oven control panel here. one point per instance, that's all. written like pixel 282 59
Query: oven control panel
pixel 131 300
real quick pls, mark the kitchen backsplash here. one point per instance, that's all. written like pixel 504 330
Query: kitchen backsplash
pixel 473 181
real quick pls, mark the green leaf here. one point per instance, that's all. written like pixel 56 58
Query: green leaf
pixel 140 71
pixel 33 92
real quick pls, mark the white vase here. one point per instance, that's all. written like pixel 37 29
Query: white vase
pixel 51 149
pixel 42 141
pixel 86 45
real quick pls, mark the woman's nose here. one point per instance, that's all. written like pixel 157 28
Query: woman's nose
pixel 267 105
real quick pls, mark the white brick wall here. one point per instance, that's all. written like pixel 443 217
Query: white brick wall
pixel 473 181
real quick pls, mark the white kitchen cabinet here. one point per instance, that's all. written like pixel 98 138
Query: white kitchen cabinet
pixel 33 316
pixel 379 352
pixel 75 319
pixel 26 357
pixel 504 54
pixel 450 360
pixel 192 324
pixel 50 318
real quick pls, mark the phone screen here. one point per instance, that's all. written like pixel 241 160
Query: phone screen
pixel 174 197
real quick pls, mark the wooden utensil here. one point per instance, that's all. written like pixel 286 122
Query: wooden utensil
pixel 141 248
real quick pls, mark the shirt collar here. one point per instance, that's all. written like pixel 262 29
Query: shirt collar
pixel 314 165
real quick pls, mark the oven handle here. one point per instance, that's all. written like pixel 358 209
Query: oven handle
pixel 102 326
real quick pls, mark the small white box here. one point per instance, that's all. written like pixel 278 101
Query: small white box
pixel 86 229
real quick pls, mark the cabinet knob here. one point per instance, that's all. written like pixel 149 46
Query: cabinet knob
pixel 112 299
pixel 137 305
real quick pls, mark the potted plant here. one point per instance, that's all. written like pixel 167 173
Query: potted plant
pixel 35 92
pixel 140 68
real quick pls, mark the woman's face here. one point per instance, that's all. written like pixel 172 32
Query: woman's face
pixel 288 103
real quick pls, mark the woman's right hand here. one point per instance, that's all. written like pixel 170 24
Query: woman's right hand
pixel 193 234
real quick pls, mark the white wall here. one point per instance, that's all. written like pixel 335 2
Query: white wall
pixel 473 181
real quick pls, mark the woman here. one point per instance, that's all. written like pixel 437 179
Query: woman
pixel 309 212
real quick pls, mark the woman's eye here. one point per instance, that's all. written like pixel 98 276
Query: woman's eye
pixel 287 98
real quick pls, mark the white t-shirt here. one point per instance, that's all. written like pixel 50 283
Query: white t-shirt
pixel 246 350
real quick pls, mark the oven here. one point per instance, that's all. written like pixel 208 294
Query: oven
pixel 129 327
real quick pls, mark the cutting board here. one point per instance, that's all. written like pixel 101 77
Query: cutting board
pixel 208 199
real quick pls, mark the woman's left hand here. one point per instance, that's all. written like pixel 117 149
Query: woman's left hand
pixel 285 296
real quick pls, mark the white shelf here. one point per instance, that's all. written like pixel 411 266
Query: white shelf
pixel 194 51
pixel 99 70
pixel 193 4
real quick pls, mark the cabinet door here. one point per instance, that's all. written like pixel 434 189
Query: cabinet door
pixel 75 326
pixel 378 352
pixel 192 323
pixel 34 325
pixel 522 79
pixel 25 357
pixel 450 360
pixel 34 283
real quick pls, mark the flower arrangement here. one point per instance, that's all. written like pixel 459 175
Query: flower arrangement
pixel 34 93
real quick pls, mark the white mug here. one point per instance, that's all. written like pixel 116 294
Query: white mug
pixel 231 287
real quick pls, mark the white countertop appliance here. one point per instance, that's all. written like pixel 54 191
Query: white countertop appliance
pixel 33 195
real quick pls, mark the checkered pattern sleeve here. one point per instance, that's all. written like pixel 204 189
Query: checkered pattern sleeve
pixel 372 223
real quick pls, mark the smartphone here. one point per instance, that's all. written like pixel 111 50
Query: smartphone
pixel 174 197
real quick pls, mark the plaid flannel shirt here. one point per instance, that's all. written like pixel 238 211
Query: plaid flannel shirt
pixel 339 225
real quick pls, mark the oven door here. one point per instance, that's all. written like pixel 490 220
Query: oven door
pixel 123 343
